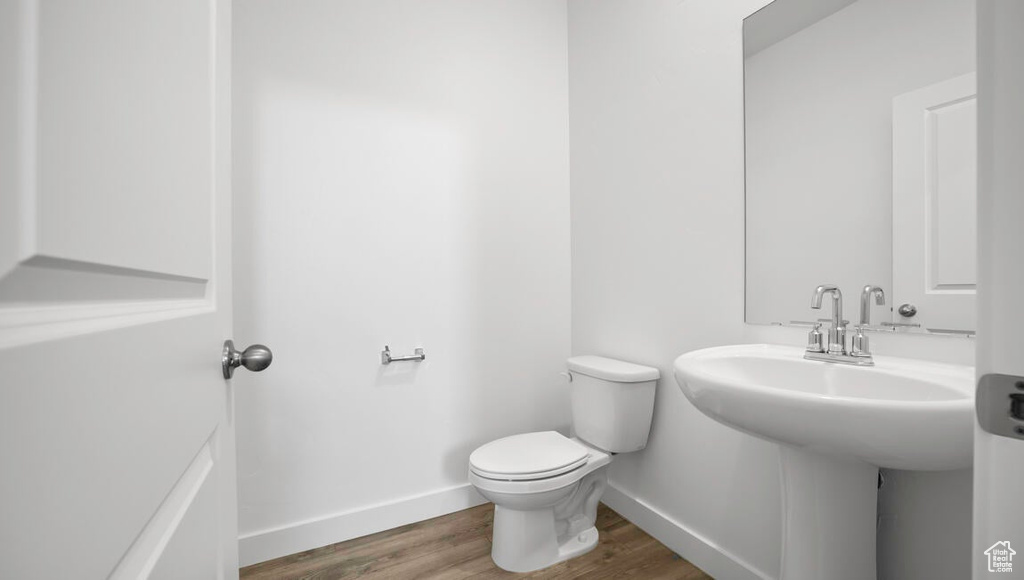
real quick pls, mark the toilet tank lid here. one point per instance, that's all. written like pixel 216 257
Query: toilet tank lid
pixel 610 369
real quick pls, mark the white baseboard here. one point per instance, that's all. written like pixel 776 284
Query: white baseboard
pixel 698 550
pixel 269 544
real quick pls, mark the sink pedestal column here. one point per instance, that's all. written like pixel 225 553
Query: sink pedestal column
pixel 829 516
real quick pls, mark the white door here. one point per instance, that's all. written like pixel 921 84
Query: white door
pixel 934 194
pixel 116 444
pixel 999 459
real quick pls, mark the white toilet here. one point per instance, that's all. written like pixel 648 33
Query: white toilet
pixel 545 486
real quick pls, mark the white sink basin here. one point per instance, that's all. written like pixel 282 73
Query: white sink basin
pixel 900 413
pixel 836 424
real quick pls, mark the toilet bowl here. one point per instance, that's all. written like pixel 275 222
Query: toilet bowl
pixel 545 486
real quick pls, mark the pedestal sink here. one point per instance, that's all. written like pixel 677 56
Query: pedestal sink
pixel 836 425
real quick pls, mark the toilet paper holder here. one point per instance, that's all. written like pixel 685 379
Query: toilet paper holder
pixel 386 358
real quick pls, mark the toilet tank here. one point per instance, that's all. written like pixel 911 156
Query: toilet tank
pixel 612 402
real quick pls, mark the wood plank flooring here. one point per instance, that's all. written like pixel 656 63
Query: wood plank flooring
pixel 458 546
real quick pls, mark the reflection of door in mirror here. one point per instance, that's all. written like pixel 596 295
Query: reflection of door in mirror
pixel 934 203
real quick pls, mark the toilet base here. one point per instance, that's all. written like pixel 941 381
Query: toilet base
pixel 539 523
pixel 531 539
pixel 525 541
pixel 577 545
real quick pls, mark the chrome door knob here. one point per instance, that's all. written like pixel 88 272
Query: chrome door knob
pixel 907 310
pixel 255 358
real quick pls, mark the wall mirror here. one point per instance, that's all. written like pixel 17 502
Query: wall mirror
pixel 860 160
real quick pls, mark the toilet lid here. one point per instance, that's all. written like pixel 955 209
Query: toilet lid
pixel 528 456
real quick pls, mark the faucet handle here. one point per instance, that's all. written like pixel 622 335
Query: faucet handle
pixel 815 339
pixel 860 346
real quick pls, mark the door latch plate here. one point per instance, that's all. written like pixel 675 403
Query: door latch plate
pixel 1000 405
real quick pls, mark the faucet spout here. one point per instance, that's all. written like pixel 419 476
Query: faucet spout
pixel 865 302
pixel 836 334
pixel 837 302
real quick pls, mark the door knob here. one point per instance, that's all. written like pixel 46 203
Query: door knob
pixel 255 358
pixel 907 310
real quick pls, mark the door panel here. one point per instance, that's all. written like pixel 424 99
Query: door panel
pixel 108 199
pixel 934 203
pixel 115 423
pixel 124 134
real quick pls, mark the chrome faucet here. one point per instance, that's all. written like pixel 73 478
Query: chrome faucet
pixel 860 346
pixel 865 302
pixel 836 334
pixel 834 350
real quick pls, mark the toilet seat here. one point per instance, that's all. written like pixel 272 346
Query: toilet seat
pixel 567 475
pixel 528 456
pixel 530 476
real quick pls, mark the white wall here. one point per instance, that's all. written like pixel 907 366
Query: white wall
pixel 656 107
pixel 656 117
pixel 819 148
pixel 401 177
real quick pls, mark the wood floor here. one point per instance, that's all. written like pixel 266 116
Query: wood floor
pixel 458 546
